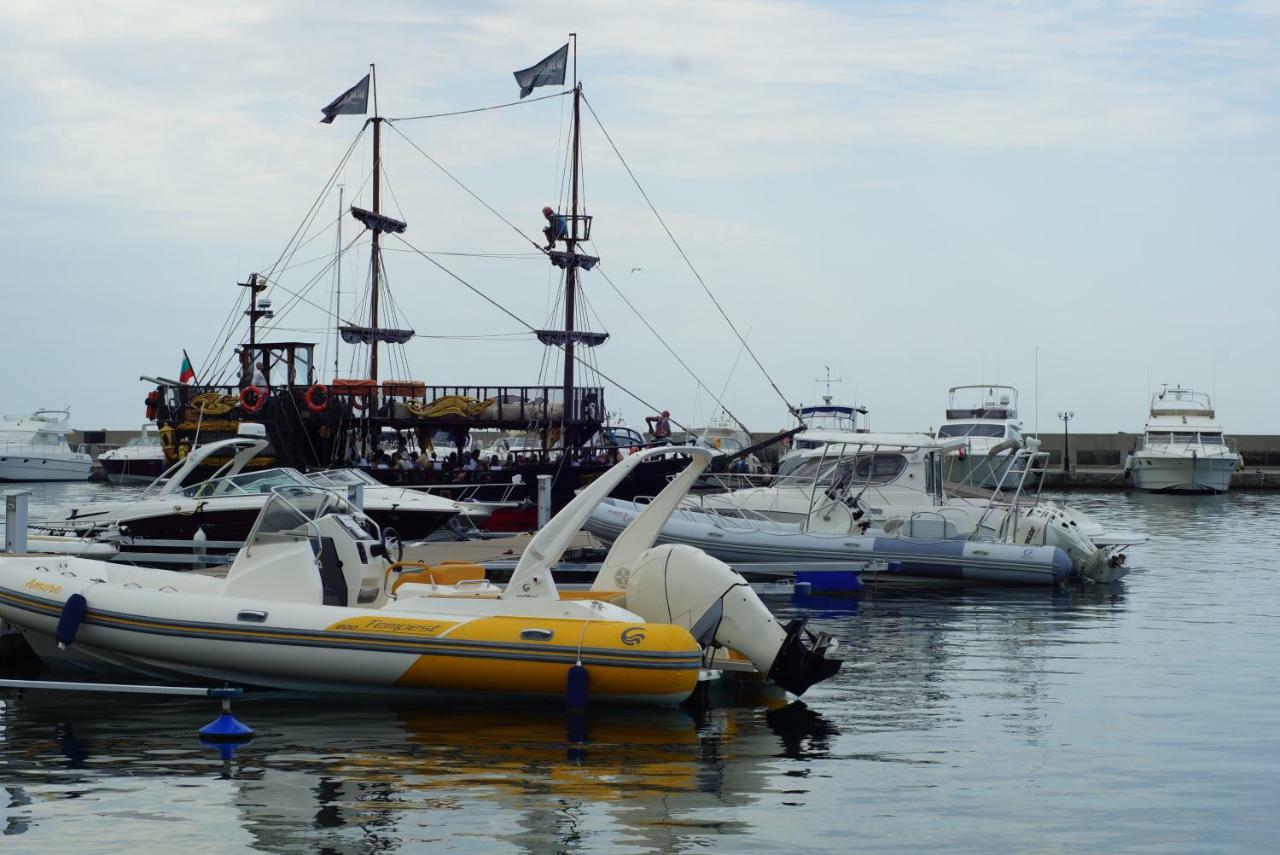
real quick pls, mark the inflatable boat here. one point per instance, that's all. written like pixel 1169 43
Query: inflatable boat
pixel 315 600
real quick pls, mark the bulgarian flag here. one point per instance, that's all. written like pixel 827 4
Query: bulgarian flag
pixel 188 374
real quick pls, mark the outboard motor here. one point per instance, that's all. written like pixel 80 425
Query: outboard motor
pixel 679 584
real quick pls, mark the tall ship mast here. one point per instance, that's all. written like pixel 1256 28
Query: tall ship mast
pixel 312 424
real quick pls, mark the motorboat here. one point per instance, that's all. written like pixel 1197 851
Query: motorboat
pixel 139 461
pixel 986 417
pixel 178 520
pixel 727 440
pixel 315 601
pixel 883 498
pixel 826 423
pixel 1183 449
pixel 928 548
pixel 896 475
pixel 34 448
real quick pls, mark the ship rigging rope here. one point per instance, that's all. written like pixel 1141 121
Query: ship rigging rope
pixel 296 297
pixel 286 255
pixel 310 215
pixel 676 356
pixel 791 409
pixel 482 109
pixel 469 191
pixel 530 327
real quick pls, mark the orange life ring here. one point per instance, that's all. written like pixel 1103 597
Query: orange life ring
pixel 320 390
pixel 359 402
pixel 252 398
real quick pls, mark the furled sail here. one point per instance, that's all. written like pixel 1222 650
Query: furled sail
pixel 378 222
pixel 562 337
pixel 565 260
pixel 368 335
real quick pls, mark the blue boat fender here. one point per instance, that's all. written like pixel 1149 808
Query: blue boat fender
pixel 73 612
pixel 575 691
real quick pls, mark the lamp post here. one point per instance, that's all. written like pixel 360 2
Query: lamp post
pixel 1066 417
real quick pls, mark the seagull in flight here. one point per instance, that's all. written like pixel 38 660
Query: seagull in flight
pixel 637 269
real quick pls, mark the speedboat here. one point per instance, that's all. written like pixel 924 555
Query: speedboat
pixel 986 417
pixel 34 448
pixel 138 461
pixel 1183 449
pixel 315 600
pixel 179 521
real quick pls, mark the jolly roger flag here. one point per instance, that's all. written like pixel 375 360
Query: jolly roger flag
pixel 354 100
pixel 550 70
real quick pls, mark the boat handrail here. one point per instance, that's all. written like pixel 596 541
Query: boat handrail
pixel 1033 463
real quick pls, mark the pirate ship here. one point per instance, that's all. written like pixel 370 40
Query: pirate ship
pixel 313 424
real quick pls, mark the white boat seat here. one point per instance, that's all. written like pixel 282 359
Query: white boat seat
pixel 470 589
pixel 929 527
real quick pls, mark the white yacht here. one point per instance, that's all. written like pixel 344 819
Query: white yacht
pixel 139 461
pixel 986 416
pixel 1182 449
pixel 826 423
pixel 34 448
pixel 722 437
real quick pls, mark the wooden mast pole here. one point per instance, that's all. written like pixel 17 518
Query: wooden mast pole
pixel 570 277
pixel 376 262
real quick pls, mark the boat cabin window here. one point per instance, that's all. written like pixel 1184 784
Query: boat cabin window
pixel 1211 438
pixel 288 363
pixel 971 430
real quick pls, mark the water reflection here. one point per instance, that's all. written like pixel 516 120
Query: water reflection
pixel 969 719
pixel 330 774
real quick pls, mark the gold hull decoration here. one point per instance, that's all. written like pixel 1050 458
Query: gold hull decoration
pixel 457 406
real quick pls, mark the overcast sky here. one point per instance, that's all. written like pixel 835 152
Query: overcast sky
pixel 918 195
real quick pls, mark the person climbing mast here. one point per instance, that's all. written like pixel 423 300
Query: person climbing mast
pixel 557 226
pixel 660 426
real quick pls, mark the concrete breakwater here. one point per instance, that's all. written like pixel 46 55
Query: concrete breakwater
pixel 1096 459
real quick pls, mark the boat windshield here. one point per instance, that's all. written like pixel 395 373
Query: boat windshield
pixel 148 441
pixel 726 444
pixel 248 483
pixel 971 430
pixel 878 468
pixel 291 511
pixel 344 478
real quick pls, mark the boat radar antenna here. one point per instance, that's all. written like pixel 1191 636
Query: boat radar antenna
pixel 828 381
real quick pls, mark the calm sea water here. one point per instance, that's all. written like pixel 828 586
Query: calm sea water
pixel 1141 716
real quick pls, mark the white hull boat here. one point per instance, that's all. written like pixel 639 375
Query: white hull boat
pixel 989 427
pixel 1188 473
pixel 314 601
pixel 1183 449
pixel 34 448
pixel 139 461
